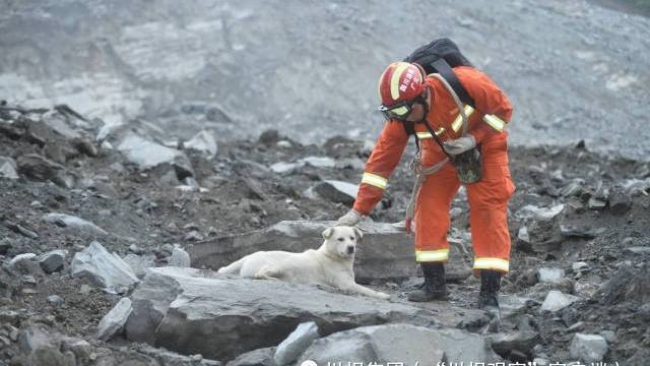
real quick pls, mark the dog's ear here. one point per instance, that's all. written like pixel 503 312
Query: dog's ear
pixel 328 233
pixel 358 233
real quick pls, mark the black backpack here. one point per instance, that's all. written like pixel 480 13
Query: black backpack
pixel 440 56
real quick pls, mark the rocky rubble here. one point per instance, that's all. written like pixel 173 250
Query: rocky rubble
pixel 96 239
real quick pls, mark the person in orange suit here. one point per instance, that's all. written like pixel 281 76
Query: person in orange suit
pixel 410 96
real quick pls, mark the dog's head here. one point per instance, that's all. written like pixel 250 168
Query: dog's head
pixel 342 240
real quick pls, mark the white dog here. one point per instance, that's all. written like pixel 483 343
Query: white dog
pixel 331 264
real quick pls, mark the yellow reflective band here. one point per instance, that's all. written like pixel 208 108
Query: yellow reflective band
pixel 424 135
pixel 394 81
pixel 374 180
pixel 440 255
pixel 492 263
pixel 494 122
pixel 440 131
pixel 458 122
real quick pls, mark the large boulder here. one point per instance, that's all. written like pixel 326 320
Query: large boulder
pixel 385 251
pixel 403 343
pixel 196 311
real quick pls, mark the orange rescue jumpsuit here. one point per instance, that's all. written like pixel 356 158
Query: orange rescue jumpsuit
pixel 488 198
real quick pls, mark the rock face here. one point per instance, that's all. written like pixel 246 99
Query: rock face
pixel 408 344
pixel 103 269
pixel 385 251
pixel 192 311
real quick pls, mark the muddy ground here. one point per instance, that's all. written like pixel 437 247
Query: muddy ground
pixel 144 212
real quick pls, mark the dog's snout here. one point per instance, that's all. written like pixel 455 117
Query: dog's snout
pixel 350 250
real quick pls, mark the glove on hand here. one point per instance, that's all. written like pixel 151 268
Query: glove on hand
pixel 351 218
pixel 460 145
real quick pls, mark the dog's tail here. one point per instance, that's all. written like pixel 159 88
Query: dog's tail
pixel 232 268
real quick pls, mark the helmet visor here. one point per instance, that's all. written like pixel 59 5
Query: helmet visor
pixel 398 111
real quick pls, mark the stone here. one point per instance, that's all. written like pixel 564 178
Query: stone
pixel 384 253
pixel 405 343
pixel 74 223
pixel 556 300
pixel 8 168
pixel 53 261
pixel 337 191
pixel 103 269
pixel 546 274
pixel 284 168
pixel 166 357
pixel 140 263
pixel 318 161
pixel 258 357
pixel 522 341
pixel 203 142
pixel 296 343
pixel 539 213
pixel 175 307
pixel 38 168
pixel 146 154
pixel 55 300
pixel 589 348
pixel 619 201
pixel 113 322
pixel 23 263
pixel 179 257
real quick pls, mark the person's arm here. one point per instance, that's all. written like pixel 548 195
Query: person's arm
pixel 489 100
pixel 380 165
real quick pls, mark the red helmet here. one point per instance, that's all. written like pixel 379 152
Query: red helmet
pixel 400 82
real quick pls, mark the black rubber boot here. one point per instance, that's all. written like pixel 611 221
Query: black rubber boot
pixel 488 298
pixel 434 287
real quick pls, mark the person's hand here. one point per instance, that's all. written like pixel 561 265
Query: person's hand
pixel 350 218
pixel 460 145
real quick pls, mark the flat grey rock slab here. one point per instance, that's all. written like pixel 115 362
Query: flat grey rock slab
pixel 191 311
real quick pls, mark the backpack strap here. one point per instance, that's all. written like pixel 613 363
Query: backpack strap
pixel 448 74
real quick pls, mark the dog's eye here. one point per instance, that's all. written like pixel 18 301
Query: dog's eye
pixel 352 238
pixel 340 239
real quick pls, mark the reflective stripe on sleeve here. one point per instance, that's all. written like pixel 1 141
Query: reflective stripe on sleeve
pixel 494 122
pixel 374 180
pixel 492 263
pixel 458 122
pixel 440 255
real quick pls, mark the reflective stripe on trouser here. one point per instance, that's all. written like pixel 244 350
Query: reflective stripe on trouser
pixel 488 201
